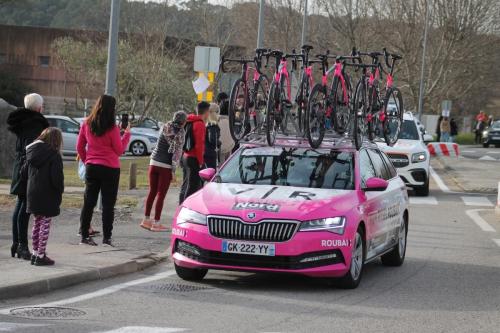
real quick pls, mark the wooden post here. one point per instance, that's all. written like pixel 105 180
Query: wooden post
pixel 132 181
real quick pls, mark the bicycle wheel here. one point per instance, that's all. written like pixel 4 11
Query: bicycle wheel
pixel 372 124
pixel 359 109
pixel 302 102
pixel 393 115
pixel 340 106
pixel 315 116
pixel 272 114
pixel 238 110
pixel 261 92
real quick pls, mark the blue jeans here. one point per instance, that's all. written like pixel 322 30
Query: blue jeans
pixel 445 137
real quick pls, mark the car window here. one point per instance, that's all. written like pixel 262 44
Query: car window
pixel 290 167
pixel 52 122
pixel 390 167
pixel 379 165
pixel 365 167
pixel 68 126
pixel 409 130
pixel 147 123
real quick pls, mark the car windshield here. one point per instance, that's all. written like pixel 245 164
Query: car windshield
pixel 496 125
pixel 301 167
pixel 409 130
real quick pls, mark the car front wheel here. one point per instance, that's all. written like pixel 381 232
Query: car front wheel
pixel 138 148
pixel 190 274
pixel 353 276
pixel 423 191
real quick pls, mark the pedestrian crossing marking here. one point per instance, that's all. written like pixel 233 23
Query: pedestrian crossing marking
pixel 145 329
pixel 423 201
pixel 497 241
pixel 487 158
pixel 476 201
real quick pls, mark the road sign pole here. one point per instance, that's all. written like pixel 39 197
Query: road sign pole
pixel 304 24
pixel 260 31
pixel 112 48
pixel 422 70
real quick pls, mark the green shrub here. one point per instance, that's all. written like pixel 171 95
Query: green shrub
pixel 465 138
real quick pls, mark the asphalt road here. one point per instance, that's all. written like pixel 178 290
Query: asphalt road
pixel 450 282
pixel 480 153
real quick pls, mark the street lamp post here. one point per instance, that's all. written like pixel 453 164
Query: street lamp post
pixel 260 31
pixel 304 24
pixel 112 48
pixel 422 71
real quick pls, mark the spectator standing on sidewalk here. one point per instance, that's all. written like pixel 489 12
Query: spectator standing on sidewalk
pixel 26 123
pixel 162 165
pixel 481 119
pixel 227 142
pixel 445 129
pixel 212 139
pixel 194 149
pixel 453 130
pixel 438 129
pixel 45 177
pixel 100 146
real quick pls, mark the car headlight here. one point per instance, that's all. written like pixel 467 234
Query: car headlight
pixel 187 215
pixel 332 224
pixel 485 134
pixel 418 157
pixel 152 139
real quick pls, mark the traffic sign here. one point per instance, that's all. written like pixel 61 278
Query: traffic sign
pixel 206 59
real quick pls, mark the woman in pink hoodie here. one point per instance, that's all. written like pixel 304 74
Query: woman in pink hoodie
pixel 100 147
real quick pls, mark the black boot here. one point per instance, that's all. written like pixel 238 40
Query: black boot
pixel 23 252
pixel 33 258
pixel 13 249
pixel 44 261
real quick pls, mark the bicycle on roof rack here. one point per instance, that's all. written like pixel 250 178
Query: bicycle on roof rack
pixel 279 102
pixel 248 96
pixel 329 107
pixel 375 117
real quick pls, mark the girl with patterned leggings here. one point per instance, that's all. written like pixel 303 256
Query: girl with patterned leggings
pixel 44 173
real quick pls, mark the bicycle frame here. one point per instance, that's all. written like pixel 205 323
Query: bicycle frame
pixel 282 70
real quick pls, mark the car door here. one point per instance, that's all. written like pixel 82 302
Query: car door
pixel 70 132
pixel 388 203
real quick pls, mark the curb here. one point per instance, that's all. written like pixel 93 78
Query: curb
pixel 67 280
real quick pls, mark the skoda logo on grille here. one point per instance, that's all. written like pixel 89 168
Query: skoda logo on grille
pixel 251 215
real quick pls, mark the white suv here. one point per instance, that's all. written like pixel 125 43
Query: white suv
pixel 410 155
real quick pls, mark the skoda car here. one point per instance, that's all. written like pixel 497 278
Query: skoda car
pixel 491 136
pixel 410 155
pixel 292 209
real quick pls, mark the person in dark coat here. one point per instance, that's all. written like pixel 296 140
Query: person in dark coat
pixel 212 139
pixel 45 178
pixel 438 129
pixel 454 129
pixel 26 123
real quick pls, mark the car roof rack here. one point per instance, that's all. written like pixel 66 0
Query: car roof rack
pixel 331 140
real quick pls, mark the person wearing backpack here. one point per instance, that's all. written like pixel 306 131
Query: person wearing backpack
pixel 194 149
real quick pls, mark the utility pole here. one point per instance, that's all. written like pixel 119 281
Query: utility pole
pixel 422 72
pixel 304 24
pixel 112 48
pixel 260 31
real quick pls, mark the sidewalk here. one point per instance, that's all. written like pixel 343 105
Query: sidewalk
pixel 135 249
pixel 468 175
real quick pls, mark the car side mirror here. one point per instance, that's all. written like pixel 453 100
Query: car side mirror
pixel 207 174
pixel 376 184
pixel 428 138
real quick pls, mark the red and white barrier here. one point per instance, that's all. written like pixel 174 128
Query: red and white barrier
pixel 443 149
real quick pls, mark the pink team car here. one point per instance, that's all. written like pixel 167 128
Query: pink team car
pixel 292 209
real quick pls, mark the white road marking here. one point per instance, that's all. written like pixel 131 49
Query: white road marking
pixel 438 180
pixel 145 329
pixel 497 241
pixel 477 201
pixel 468 151
pixel 487 158
pixel 100 293
pixel 11 327
pixel 423 201
pixel 474 215
pixel 494 152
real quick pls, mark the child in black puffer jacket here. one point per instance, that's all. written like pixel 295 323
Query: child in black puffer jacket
pixel 44 173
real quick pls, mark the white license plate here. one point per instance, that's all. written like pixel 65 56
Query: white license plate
pixel 259 249
pixel 496 138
